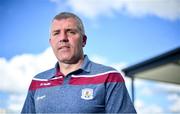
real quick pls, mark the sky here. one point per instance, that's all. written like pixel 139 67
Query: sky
pixel 120 33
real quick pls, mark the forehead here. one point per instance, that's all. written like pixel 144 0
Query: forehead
pixel 64 23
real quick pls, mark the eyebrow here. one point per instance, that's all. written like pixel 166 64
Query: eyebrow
pixel 56 30
pixel 67 29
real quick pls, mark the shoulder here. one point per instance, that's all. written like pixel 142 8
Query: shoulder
pixel 103 70
pixel 100 68
pixel 46 74
pixel 41 80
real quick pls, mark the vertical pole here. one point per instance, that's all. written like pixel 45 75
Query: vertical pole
pixel 132 88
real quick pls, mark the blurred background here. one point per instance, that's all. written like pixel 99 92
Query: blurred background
pixel 120 33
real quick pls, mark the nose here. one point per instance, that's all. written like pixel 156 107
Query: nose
pixel 63 37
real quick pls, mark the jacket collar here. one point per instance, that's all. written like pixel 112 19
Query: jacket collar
pixel 86 66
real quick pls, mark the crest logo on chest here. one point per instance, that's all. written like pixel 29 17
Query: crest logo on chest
pixel 87 94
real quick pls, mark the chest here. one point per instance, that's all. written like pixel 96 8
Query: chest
pixel 70 98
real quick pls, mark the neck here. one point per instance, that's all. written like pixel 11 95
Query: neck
pixel 68 68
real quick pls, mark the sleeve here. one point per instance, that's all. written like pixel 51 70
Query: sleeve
pixel 117 97
pixel 29 105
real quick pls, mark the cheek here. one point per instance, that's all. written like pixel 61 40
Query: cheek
pixel 53 44
pixel 79 44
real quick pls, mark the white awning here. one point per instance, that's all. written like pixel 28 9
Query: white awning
pixel 165 68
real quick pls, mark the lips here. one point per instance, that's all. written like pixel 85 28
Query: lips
pixel 63 47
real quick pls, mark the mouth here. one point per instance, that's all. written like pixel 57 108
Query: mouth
pixel 63 47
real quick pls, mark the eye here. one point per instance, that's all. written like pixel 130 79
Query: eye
pixel 56 32
pixel 71 32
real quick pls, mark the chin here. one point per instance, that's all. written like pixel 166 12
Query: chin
pixel 64 59
pixel 67 58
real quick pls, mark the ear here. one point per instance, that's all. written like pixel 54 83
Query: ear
pixel 84 40
pixel 50 41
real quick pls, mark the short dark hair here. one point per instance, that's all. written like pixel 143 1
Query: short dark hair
pixel 65 15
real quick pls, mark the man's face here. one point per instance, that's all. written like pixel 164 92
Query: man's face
pixel 67 41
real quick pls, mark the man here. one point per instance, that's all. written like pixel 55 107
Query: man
pixel 76 84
